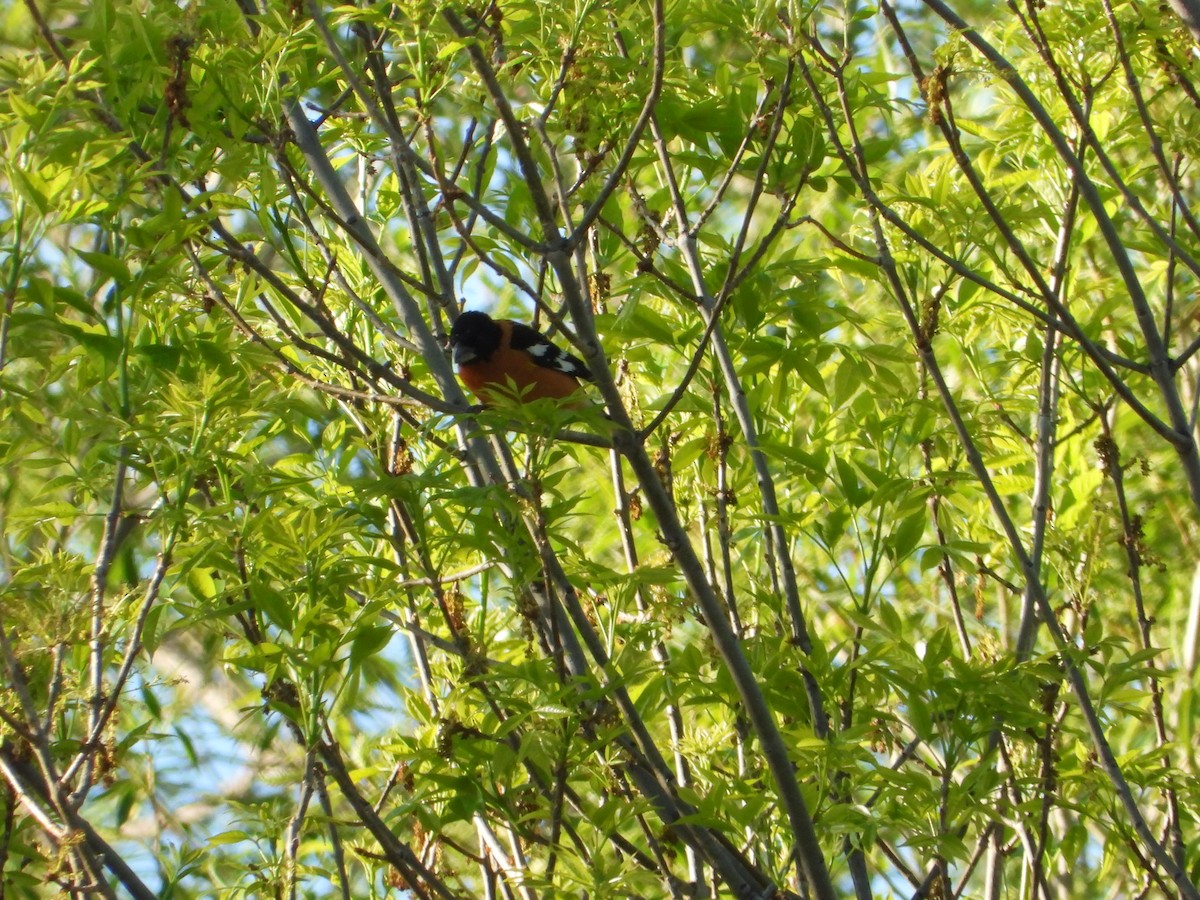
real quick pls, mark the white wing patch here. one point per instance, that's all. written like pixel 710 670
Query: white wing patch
pixel 563 364
pixel 546 354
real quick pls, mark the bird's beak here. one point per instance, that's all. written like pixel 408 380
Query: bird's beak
pixel 463 354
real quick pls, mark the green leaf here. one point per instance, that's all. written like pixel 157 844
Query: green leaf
pixel 852 488
pixel 367 642
pixel 161 356
pixel 201 583
pixel 810 374
pixel 106 264
pixel 906 537
pixel 31 188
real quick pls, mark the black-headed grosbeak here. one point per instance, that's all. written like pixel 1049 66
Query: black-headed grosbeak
pixel 499 357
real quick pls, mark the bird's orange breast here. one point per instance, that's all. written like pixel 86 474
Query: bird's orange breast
pixel 492 377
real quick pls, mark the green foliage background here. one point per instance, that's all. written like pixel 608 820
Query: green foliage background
pixel 887 538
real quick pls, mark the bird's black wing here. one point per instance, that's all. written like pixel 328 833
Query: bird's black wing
pixel 545 353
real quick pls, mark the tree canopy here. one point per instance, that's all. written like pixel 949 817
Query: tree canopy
pixel 870 568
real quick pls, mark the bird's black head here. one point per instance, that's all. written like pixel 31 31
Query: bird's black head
pixel 474 336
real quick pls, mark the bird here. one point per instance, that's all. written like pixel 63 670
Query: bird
pixel 499 357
